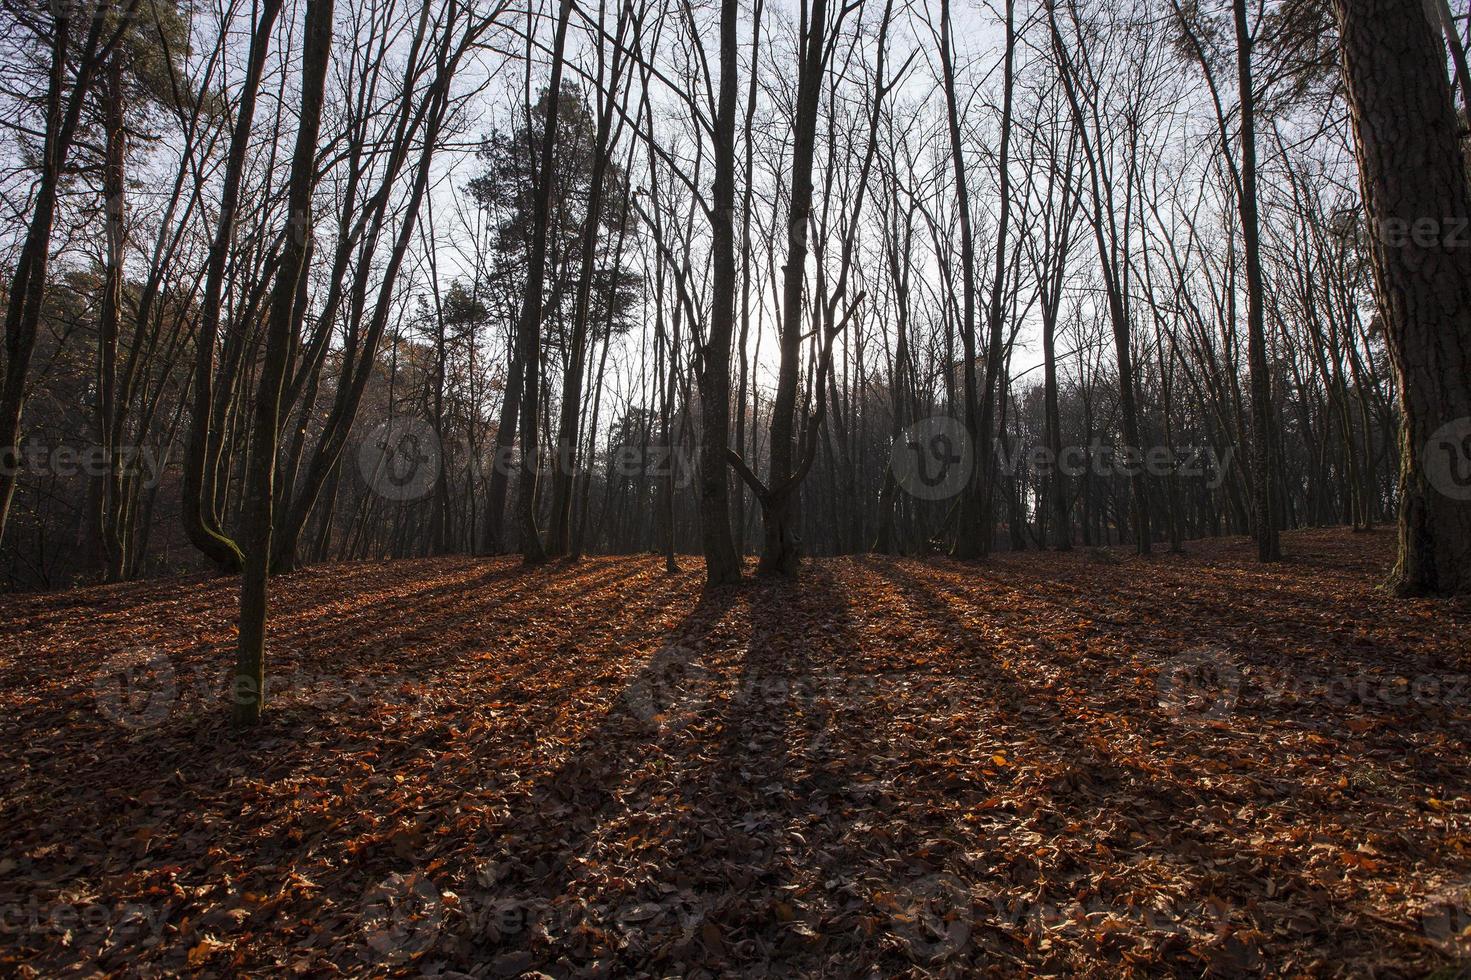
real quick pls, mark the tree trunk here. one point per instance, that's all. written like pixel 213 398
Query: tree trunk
pixel 1411 173
pixel 529 331
pixel 990 394
pixel 1057 492
pixel 27 286
pixel 972 538
pixel 564 469
pixel 111 540
pixel 722 564
pixel 285 313
pixel 1264 483
pixel 781 549
pixel 201 521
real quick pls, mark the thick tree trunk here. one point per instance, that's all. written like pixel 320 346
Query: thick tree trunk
pixel 781 549
pixel 1415 189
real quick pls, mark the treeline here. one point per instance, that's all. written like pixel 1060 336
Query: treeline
pixel 293 281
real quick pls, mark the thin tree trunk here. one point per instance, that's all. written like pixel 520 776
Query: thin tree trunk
pixel 109 322
pixel 1268 545
pixel 529 331
pixel 972 538
pixel 564 468
pixel 200 516
pixel 27 286
pixel 285 317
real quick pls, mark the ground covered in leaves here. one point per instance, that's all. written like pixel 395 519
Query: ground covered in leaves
pixel 1042 764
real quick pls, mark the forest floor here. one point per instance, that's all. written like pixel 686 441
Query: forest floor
pixel 1041 764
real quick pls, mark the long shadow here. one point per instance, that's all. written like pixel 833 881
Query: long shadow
pixel 863 868
pixel 743 785
pixel 1098 778
pixel 542 891
pixel 1296 661
pixel 1236 590
pixel 40 611
pixel 735 833
pixel 163 776
pixel 1279 646
pixel 425 623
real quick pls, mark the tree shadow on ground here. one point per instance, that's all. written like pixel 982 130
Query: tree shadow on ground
pixel 746 826
pixel 363 699
pixel 891 767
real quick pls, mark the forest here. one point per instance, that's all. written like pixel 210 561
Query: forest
pixel 728 488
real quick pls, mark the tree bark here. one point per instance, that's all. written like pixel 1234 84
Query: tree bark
pixel 201 521
pixel 722 564
pixel 1411 171
pixel 529 331
pixel 781 548
pixel 1264 485
pixel 284 319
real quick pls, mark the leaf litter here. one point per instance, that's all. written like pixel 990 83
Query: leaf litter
pixel 1037 765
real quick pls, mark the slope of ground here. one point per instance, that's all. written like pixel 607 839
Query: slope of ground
pixel 1047 764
